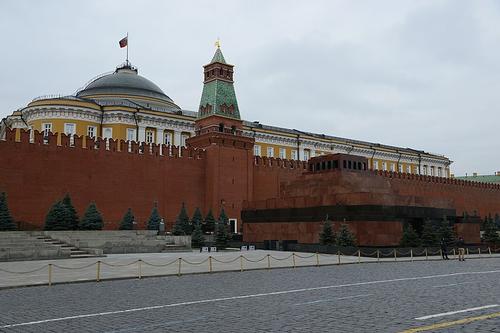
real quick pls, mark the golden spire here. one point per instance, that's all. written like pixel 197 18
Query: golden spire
pixel 217 43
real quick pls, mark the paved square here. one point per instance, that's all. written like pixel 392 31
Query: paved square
pixel 385 297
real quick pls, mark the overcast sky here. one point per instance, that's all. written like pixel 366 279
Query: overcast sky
pixel 419 74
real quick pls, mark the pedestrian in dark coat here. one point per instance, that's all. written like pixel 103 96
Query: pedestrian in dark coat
pixel 444 249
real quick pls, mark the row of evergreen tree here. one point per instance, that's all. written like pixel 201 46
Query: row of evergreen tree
pixel 344 237
pixel 196 226
pixel 433 233
pixel 62 216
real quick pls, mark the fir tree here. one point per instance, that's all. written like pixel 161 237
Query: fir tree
pixel 197 238
pixel 56 217
pixel 178 229
pixel 127 222
pixel 490 235
pixel 223 217
pixel 445 231
pixel 197 218
pixel 181 225
pixel 209 225
pixel 429 236
pixel 154 219
pixel 497 220
pixel 221 234
pixel 92 219
pixel 71 218
pixel 6 221
pixel 345 236
pixel 184 220
pixel 410 237
pixel 327 235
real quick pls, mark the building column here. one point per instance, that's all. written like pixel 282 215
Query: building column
pixel 159 136
pixel 177 138
pixel 142 133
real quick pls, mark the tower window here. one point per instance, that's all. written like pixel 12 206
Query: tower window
pixel 221 127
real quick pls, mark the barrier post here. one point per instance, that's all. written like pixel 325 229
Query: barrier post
pixel 210 264
pixel 479 249
pixel 179 270
pixel 293 259
pixel 441 253
pixel 241 263
pixel 50 275
pixel 426 254
pixel 467 251
pixel 411 255
pixel 98 277
pixel 378 255
pixel 454 254
pixel 489 250
pixel 139 269
pixel 317 259
pixel 359 256
pixel 395 255
pixel 268 261
pixel 338 255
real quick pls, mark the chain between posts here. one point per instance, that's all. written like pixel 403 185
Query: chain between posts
pixel 411 252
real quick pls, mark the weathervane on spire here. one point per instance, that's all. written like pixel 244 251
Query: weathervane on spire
pixel 217 43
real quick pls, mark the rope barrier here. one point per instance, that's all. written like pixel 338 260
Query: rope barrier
pixel 258 260
pixel 168 264
pixel 119 265
pixel 394 252
pixel 281 258
pixel 302 257
pixel 67 268
pixel 24 272
pixel 225 262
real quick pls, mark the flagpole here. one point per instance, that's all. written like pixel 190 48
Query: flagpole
pixel 127 48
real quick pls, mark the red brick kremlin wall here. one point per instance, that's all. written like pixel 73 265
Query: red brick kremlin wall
pixel 35 175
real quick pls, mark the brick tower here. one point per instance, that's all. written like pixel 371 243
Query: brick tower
pixel 219 130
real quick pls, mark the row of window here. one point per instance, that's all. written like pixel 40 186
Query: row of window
pixel 107 133
pixel 257 151
pixel 426 170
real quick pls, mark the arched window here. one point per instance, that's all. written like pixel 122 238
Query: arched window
pixel 221 127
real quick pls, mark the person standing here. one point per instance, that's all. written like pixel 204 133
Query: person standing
pixel 461 249
pixel 444 249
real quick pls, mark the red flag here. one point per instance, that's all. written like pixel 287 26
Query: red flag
pixel 123 42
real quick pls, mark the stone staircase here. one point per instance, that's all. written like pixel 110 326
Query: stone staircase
pixel 74 251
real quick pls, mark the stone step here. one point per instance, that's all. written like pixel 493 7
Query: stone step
pixel 85 255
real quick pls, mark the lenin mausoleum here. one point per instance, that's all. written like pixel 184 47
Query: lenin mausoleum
pixel 122 143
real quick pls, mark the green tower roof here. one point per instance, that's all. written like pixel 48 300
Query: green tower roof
pixel 218 57
pixel 218 97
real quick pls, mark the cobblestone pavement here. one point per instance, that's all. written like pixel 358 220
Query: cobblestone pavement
pixel 385 297
pixel 24 273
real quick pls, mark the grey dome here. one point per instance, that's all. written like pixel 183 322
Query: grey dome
pixel 125 81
